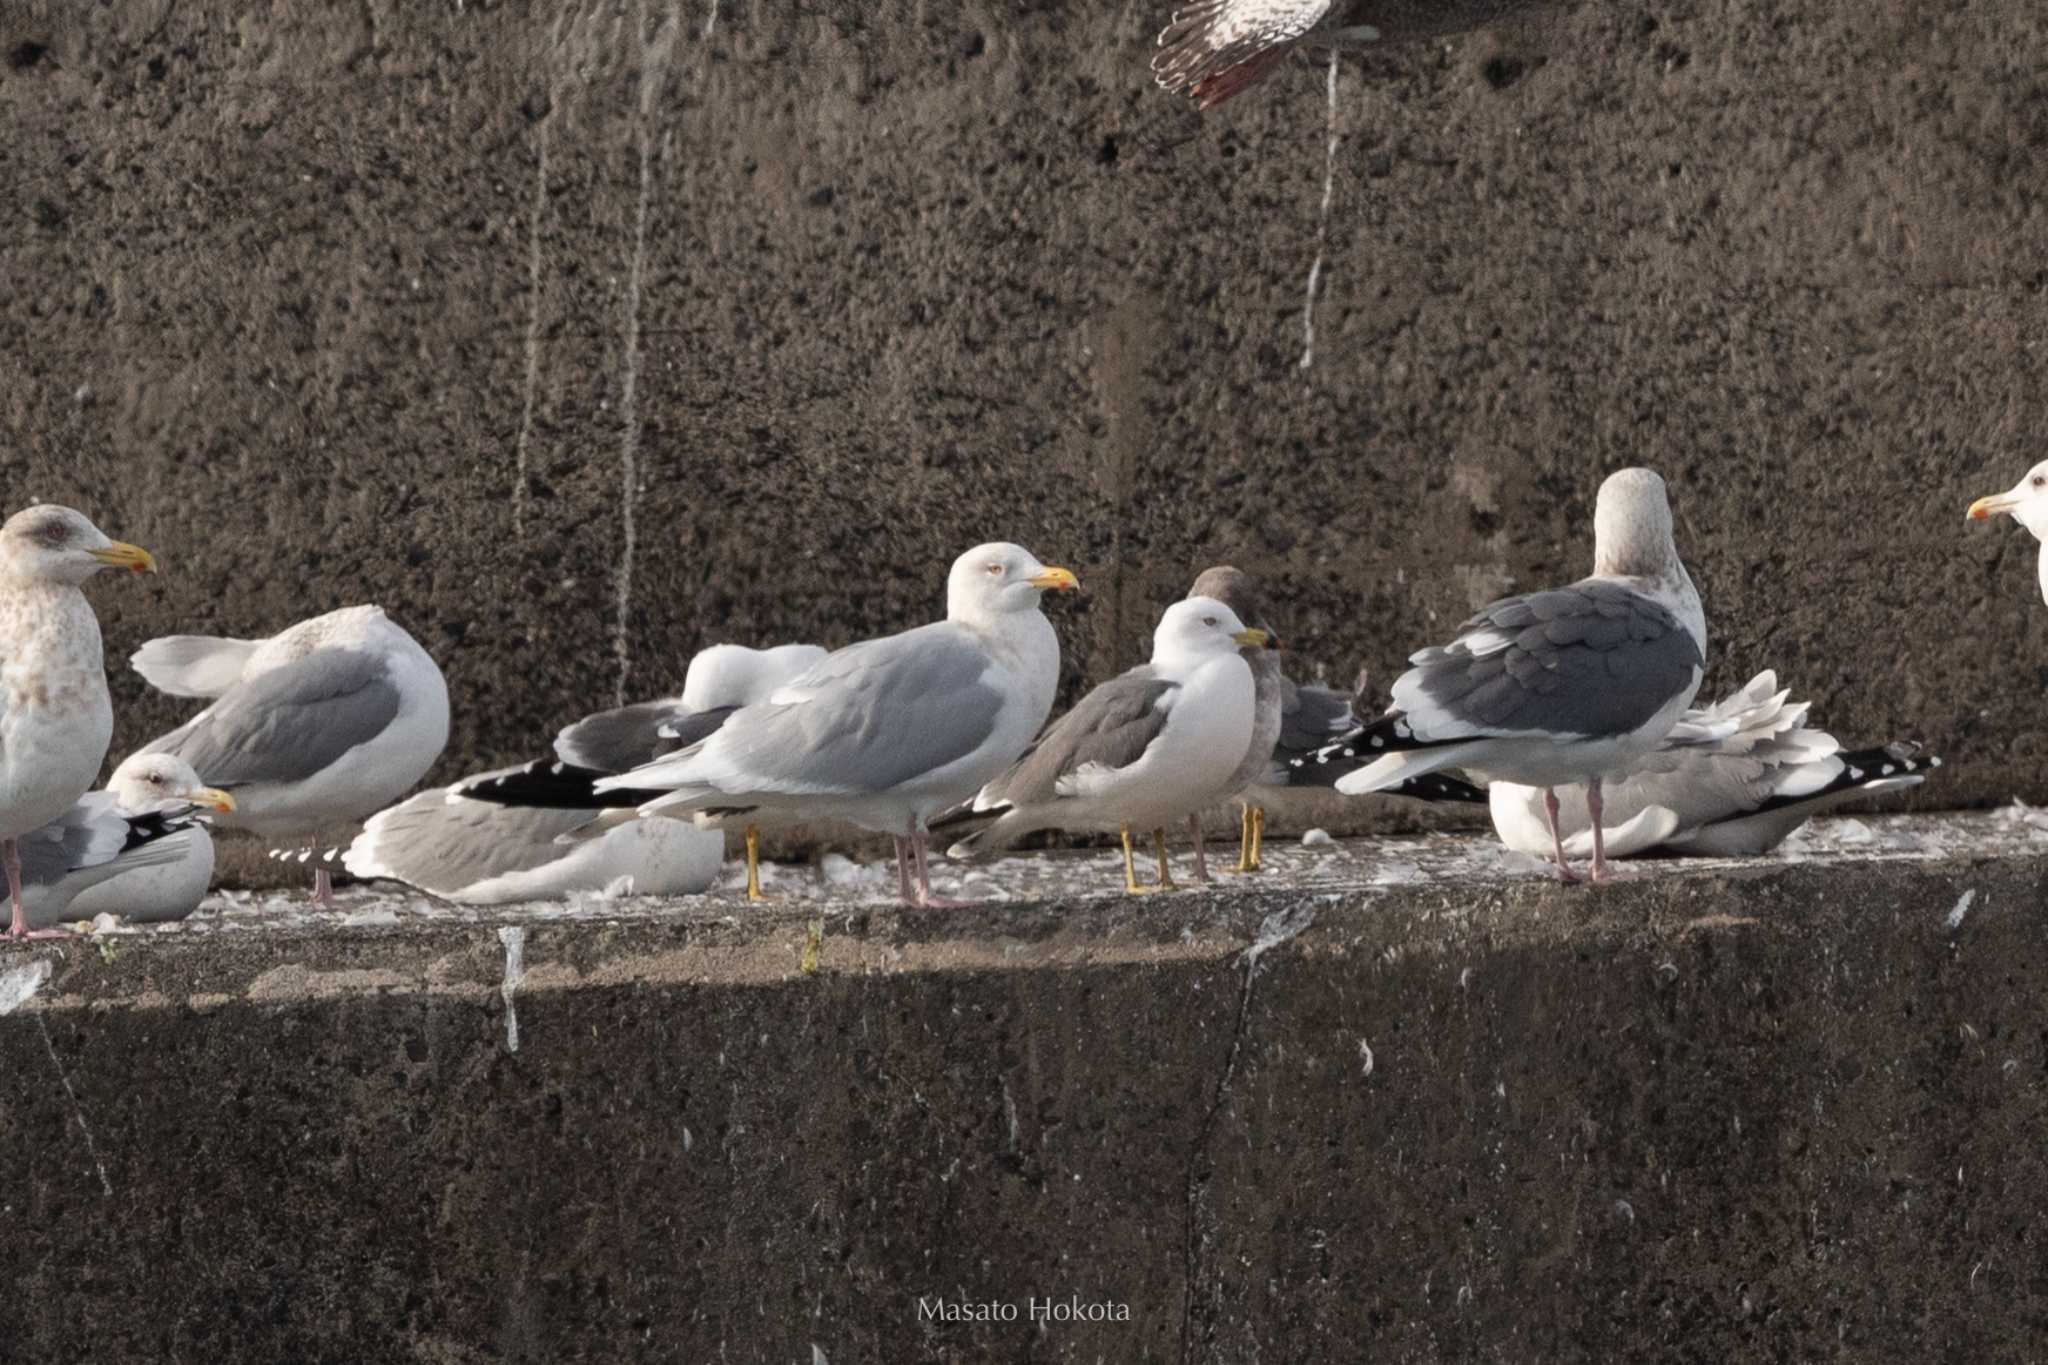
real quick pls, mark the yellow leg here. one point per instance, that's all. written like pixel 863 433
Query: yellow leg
pixel 1247 852
pixel 1258 814
pixel 1165 873
pixel 1131 868
pixel 754 864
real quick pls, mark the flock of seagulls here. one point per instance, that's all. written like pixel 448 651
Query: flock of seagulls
pixel 1568 712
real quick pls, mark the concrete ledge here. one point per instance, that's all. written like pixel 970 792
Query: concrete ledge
pixel 1777 1110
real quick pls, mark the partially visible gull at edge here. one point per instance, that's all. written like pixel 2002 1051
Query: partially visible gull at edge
pixel 55 715
pixel 1555 688
pixel 499 836
pixel 1234 589
pixel 2026 502
pixel 316 726
pixel 1148 748
pixel 889 732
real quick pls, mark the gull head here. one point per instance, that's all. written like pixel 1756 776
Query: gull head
pixel 996 579
pixel 1233 588
pixel 1196 628
pixel 52 544
pixel 146 780
pixel 2026 501
pixel 1632 526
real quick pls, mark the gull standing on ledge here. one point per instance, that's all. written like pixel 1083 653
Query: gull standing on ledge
pixel 322 724
pixel 1559 687
pixel 55 715
pixel 719 681
pixel 1233 588
pixel 2027 502
pixel 1145 749
pixel 887 733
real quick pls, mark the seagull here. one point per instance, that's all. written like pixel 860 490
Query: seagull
pixel 321 724
pixel 1551 688
pixel 1214 49
pixel 719 681
pixel 55 715
pixel 2027 502
pixel 93 845
pixel 1233 588
pixel 149 790
pixel 1149 747
pixel 477 853
pixel 887 733
pixel 1733 779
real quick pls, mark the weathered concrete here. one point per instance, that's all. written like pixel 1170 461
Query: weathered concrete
pixel 1783 1111
pixel 428 302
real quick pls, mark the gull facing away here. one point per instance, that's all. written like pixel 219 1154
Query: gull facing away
pixel 1233 588
pixel 55 715
pixel 319 725
pixel 2027 503
pixel 1559 687
pixel 147 790
pixel 1214 49
pixel 1145 749
pixel 886 733
pixel 500 836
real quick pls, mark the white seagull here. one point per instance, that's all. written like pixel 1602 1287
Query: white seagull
pixel 2027 503
pixel 1559 687
pixel 321 724
pixel 1145 749
pixel 55 715
pixel 886 733
pixel 150 790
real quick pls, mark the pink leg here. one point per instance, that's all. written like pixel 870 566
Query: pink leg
pixel 1564 869
pixel 1201 863
pixel 921 844
pixel 903 856
pixel 17 924
pixel 323 887
pixel 1601 872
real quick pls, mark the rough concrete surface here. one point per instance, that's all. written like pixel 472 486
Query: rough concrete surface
pixel 1390 1106
pixel 583 334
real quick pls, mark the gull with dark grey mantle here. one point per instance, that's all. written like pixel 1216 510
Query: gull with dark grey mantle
pixel 889 732
pixel 316 726
pixel 1156 744
pixel 506 835
pixel 1555 688
pixel 1233 588
pixel 55 715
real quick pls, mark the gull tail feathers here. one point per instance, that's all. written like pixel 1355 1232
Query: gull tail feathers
pixel 192 665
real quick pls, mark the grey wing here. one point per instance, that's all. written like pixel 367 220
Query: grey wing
pixel 867 718
pixel 1207 38
pixel 192 665
pixel 91 833
pixel 289 723
pixel 1312 716
pixel 1596 658
pixel 443 846
pixel 1109 728
pixel 624 737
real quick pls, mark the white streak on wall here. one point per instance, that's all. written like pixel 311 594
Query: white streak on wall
pixel 1315 272
pixel 514 939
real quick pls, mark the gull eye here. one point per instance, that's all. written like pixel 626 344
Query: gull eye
pixel 1208 620
pixel 994 570
pixel 2038 480
pixel 53 533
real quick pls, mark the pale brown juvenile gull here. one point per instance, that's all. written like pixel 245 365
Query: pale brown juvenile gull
pixel 55 715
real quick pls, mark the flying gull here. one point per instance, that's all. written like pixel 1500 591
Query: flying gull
pixel 1214 49
pixel 886 733
pixel 719 681
pixel 1558 687
pixel 1233 588
pixel 2027 502
pixel 320 725
pixel 55 715
pixel 1143 750
pixel 155 794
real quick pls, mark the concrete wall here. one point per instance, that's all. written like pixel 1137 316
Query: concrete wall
pixel 1781 1114
pixel 583 334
